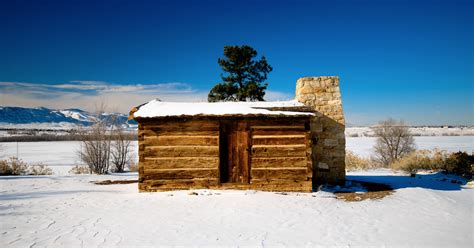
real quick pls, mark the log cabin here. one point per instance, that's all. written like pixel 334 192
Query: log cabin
pixel 265 146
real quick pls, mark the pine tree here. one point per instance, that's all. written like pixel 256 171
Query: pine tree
pixel 245 77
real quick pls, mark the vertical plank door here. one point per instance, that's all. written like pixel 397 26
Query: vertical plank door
pixel 235 153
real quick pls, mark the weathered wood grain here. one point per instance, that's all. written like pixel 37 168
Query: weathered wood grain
pixel 299 173
pixel 279 150
pixel 177 140
pixel 180 173
pixel 282 185
pixel 159 132
pixel 278 139
pixel 235 144
pixel 178 184
pixel 191 125
pixel 270 155
pixel 275 186
pixel 181 151
pixel 270 162
pixel 280 127
pixel 277 132
pixel 181 162
pixel 278 122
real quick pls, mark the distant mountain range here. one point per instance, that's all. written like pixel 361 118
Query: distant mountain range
pixel 68 118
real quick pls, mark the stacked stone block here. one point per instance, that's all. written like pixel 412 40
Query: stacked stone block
pixel 327 127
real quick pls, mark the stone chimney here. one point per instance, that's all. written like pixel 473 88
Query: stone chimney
pixel 327 127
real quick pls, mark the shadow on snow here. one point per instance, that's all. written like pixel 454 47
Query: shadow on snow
pixel 39 194
pixel 434 181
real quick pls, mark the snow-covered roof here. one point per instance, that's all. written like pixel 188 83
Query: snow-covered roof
pixel 156 108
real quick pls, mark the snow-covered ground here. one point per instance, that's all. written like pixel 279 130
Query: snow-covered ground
pixel 363 146
pixel 70 211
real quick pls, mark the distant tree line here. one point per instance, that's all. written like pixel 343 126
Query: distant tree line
pixel 64 137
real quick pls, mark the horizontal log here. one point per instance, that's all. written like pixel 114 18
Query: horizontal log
pixel 281 127
pixel 290 187
pixel 279 162
pixel 182 129
pixel 280 168
pixel 194 180
pixel 181 162
pixel 288 121
pixel 177 184
pixel 277 181
pixel 182 125
pixel 213 183
pixel 281 173
pixel 181 173
pixel 181 151
pixel 181 140
pixel 279 150
pixel 282 185
pixel 278 132
pixel 278 139
pixel 181 132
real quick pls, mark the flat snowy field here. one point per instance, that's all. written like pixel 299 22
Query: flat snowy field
pixel 363 146
pixel 71 211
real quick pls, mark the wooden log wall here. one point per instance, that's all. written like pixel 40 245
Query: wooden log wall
pixel 281 156
pixel 178 155
pixel 185 154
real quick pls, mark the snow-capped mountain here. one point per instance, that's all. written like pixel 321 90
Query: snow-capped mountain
pixel 45 117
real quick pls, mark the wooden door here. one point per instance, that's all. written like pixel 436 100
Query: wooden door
pixel 234 153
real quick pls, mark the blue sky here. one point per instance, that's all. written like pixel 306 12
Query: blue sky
pixel 410 60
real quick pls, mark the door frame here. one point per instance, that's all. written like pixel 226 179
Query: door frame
pixel 234 148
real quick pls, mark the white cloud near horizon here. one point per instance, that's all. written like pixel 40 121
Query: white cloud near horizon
pixel 89 94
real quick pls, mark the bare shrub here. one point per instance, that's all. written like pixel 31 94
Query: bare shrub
pixel 5 168
pixel 421 160
pixel 394 141
pixel 18 166
pixel 39 169
pixel 121 149
pixel 459 163
pixel 102 145
pixel 95 144
pixel 79 170
pixel 13 166
pixel 355 162
pixel 95 148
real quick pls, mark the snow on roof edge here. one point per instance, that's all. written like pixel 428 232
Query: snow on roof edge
pixel 156 108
